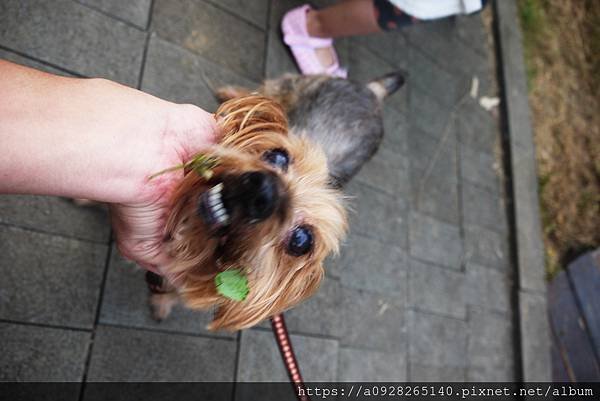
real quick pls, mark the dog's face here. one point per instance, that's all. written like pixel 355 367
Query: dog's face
pixel 267 209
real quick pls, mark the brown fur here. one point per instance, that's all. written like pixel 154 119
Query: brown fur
pixel 250 126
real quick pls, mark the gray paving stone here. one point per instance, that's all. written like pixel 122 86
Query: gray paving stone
pixel 360 365
pixel 31 353
pixel 490 351
pixel 278 58
pixel 437 289
pixel 471 31
pixel 364 66
pixel 439 40
pixel 176 74
pixel 435 196
pixel 395 127
pixel 56 216
pixel 426 113
pixel 16 58
pixel 319 314
pixel 121 354
pixel 373 321
pixel 260 360
pixel 436 153
pixel 480 207
pixel 97 44
pixel 215 34
pixel 488 288
pixel 491 373
pixel 390 46
pixel 426 373
pixel 439 343
pixel 433 175
pixel 487 247
pixel 137 11
pixel 125 303
pixel 429 77
pixel 481 168
pixel 435 38
pixel 434 241
pixel 343 48
pixel 377 215
pixel 535 337
pixel 477 128
pixel 371 265
pixel 253 11
pixel 387 171
pixel 49 279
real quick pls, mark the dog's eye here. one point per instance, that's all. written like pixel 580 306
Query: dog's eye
pixel 277 158
pixel 301 241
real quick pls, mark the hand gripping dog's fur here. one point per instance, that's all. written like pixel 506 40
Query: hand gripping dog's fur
pixel 267 208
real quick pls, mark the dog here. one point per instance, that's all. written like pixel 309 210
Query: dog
pixel 265 209
pixel 272 205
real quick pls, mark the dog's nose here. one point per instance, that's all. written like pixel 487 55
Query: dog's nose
pixel 260 192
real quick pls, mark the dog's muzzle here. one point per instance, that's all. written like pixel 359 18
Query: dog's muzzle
pixel 250 197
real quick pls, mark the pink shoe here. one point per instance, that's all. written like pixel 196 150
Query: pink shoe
pixel 295 35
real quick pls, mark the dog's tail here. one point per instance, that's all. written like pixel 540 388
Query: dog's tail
pixel 384 86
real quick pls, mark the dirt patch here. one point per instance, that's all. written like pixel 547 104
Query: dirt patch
pixel 562 52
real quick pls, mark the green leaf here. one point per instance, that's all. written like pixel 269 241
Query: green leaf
pixel 200 163
pixel 203 165
pixel 232 284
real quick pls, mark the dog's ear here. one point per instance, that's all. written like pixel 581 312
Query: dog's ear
pixel 384 86
pixel 229 92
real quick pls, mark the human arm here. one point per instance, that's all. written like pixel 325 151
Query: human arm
pixel 98 140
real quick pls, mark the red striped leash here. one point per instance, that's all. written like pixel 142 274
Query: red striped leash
pixel 289 358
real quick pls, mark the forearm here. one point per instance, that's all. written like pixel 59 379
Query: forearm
pixel 73 137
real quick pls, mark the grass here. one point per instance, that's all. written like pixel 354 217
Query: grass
pixel 561 40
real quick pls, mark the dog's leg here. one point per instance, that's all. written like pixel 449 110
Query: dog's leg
pixel 162 296
pixel 228 92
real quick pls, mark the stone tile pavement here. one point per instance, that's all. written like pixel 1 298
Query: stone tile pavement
pixel 422 289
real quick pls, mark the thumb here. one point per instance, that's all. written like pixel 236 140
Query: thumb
pixel 195 130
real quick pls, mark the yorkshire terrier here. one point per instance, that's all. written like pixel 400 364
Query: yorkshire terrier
pixel 269 206
pixel 265 208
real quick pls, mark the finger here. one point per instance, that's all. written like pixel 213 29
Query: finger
pixel 139 235
pixel 195 130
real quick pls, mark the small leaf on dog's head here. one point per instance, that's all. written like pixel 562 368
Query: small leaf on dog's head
pixel 232 284
pixel 200 163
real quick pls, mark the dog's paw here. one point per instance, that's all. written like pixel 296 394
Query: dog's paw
pixel 161 305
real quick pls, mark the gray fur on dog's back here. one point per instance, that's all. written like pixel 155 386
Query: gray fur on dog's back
pixel 344 117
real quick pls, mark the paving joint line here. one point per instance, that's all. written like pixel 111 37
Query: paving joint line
pixel 236 364
pixel 52 234
pixel 144 59
pixel 45 325
pixel 232 14
pixel 165 331
pixel 38 60
pixel 111 16
pixel 90 349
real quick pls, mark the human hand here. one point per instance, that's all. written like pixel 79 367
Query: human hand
pixel 99 140
pixel 139 219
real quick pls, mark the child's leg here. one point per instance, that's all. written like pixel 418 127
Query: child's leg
pixel 346 18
